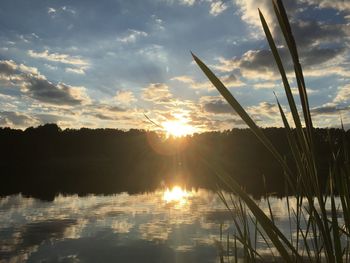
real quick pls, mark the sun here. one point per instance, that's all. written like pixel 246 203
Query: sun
pixel 178 127
pixel 176 194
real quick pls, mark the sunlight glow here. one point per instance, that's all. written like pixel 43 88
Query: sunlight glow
pixel 176 194
pixel 178 127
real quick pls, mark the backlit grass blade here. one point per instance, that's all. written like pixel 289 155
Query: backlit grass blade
pixel 336 237
pixel 286 85
pixel 241 112
pixel 275 235
pixel 288 35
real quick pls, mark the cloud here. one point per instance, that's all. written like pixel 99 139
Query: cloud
pixel 80 64
pixel 319 41
pixel 125 97
pixel 339 5
pixel 157 93
pixel 260 64
pixel 36 86
pixel 54 12
pixel 51 10
pixel 16 119
pixel 216 105
pixel 192 83
pixel 187 2
pixel 329 110
pixel 7 68
pixel 343 95
pixel 267 114
pixel 313 33
pixel 58 94
pixel 56 57
pixel 340 103
pixel 132 36
pixel 75 71
pixel 217 7
pixel 248 10
pixel 252 64
pixel 231 81
pixel 228 80
pixel 265 85
pixel 154 53
pixel 184 79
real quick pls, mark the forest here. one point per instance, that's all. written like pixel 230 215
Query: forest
pixel 45 161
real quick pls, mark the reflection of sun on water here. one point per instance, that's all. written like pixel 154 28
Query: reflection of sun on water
pixel 176 195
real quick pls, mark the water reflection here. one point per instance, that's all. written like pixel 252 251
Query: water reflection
pixel 177 196
pixel 173 225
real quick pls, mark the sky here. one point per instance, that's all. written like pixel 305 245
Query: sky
pixel 108 63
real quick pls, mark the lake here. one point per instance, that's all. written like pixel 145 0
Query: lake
pixel 162 226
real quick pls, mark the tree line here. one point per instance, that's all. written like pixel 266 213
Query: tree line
pixel 46 160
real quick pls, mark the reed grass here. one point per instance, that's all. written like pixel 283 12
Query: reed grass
pixel 322 229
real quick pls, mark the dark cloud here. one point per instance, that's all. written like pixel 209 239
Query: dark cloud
pixel 217 107
pixel 310 33
pixel 329 110
pixel 319 41
pixel 10 118
pixel 44 91
pixel 319 56
pixel 116 109
pixel 7 67
pixel 38 87
pixel 54 118
pixel 103 117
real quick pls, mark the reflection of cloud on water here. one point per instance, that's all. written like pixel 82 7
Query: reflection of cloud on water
pixel 74 231
pixel 26 239
pixel 36 228
pixel 121 226
pixel 105 247
pixel 219 216
pixel 61 230
pixel 155 230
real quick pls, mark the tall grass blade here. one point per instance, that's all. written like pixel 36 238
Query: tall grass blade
pixel 242 113
pixel 283 21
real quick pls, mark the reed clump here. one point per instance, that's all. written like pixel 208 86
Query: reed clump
pixel 319 217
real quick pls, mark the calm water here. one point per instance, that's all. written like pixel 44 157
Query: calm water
pixel 163 226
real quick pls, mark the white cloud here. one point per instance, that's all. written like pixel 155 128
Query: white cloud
pixel 79 71
pixel 56 57
pixel 217 7
pixel 154 53
pixel 187 2
pixel 249 10
pixel 343 95
pixel 125 97
pixel 157 92
pixel 51 10
pixel 132 36
pixel 184 79
pixel 54 12
pixel 194 84
pixel 80 64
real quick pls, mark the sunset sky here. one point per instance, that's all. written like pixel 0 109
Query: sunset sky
pixel 88 63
